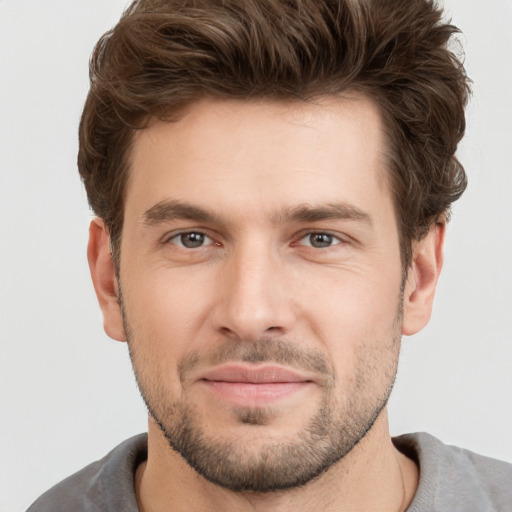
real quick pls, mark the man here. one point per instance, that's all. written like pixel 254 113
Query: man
pixel 272 182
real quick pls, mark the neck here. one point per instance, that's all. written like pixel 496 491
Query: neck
pixel 373 476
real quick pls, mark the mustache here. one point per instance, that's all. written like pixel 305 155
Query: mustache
pixel 271 350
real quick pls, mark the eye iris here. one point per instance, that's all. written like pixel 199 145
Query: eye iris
pixel 320 240
pixel 192 240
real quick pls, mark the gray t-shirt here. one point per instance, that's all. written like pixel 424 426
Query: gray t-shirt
pixel 451 480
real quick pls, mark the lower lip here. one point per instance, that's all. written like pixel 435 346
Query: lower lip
pixel 247 393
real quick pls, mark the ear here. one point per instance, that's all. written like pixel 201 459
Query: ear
pixel 104 279
pixel 427 261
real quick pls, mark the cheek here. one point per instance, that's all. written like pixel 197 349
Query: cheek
pixel 168 308
pixel 353 314
pixel 162 329
pixel 352 298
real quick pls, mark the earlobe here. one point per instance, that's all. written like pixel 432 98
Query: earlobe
pixel 104 279
pixel 427 261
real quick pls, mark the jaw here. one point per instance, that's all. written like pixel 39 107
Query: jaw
pixel 367 478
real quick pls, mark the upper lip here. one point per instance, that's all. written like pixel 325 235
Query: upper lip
pixel 266 374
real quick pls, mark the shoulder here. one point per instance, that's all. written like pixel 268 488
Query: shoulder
pixel 106 484
pixel 455 479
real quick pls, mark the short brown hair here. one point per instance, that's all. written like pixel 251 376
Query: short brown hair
pixel 164 54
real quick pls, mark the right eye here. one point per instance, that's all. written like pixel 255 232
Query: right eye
pixel 190 240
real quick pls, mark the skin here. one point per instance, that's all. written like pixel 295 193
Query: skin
pixel 256 279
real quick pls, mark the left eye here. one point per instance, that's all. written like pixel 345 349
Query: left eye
pixel 191 240
pixel 319 240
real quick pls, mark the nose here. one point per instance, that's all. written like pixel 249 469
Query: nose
pixel 255 299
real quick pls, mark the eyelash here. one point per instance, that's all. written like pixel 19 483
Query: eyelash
pixel 176 236
pixel 332 236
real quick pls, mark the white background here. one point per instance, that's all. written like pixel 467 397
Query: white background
pixel 67 392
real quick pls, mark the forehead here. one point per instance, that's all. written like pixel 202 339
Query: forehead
pixel 261 155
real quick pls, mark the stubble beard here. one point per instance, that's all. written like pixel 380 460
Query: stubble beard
pixel 331 433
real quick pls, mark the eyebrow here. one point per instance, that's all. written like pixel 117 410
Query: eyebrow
pixel 165 211
pixel 170 210
pixel 331 211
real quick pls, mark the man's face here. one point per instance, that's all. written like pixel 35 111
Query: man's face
pixel 261 284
